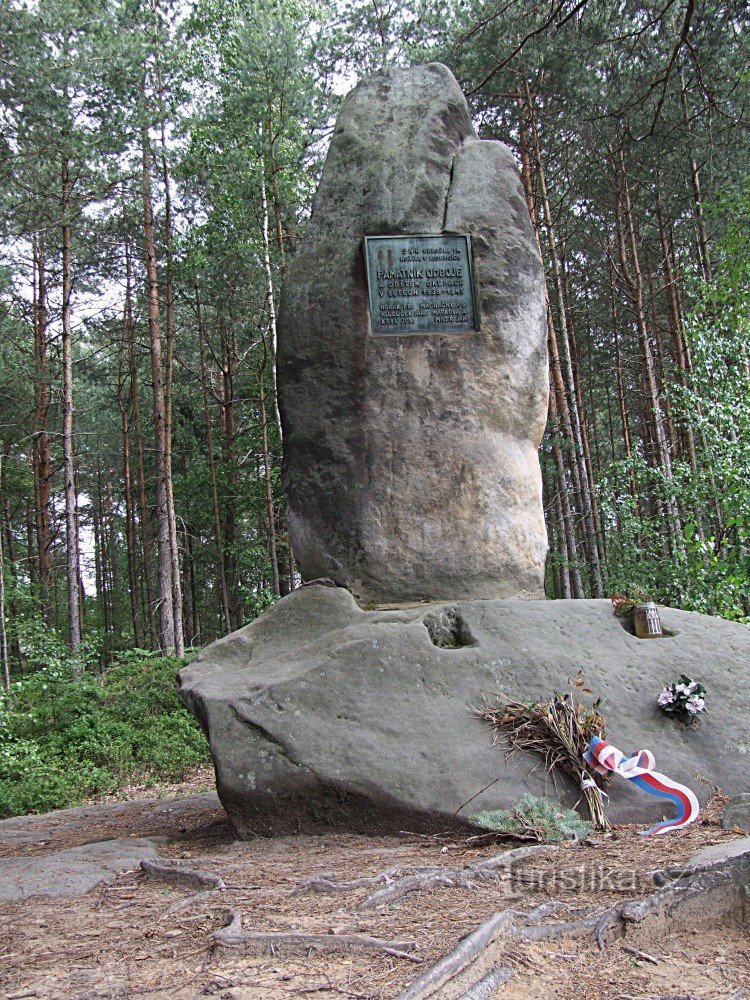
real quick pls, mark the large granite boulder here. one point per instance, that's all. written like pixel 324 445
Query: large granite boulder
pixel 321 715
pixel 410 461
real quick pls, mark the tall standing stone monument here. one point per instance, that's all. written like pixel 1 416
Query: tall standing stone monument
pixel 413 386
pixel 412 356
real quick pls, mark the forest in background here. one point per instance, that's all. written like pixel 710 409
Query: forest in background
pixel 158 163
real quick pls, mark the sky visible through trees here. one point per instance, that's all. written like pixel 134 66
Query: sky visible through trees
pixel 158 164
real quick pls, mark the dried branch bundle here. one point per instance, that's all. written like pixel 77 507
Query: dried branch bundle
pixel 560 730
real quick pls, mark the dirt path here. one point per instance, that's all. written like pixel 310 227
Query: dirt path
pixel 120 940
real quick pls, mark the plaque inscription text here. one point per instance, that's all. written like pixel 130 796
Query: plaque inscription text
pixel 420 284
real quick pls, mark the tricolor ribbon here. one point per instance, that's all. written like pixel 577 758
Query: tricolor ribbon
pixel 639 769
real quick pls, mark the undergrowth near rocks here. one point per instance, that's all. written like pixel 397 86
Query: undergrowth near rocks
pixel 65 739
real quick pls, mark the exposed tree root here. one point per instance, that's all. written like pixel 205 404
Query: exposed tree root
pixel 719 888
pixel 325 883
pixel 487 985
pixel 713 894
pixel 468 950
pixel 292 943
pixel 466 877
pixel 190 877
pixel 400 881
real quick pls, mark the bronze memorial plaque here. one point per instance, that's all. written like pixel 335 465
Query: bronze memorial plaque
pixel 420 284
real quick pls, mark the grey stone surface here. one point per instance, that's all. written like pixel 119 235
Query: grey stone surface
pixel 73 871
pixel 321 715
pixel 736 813
pixel 720 852
pixel 410 462
pixel 79 824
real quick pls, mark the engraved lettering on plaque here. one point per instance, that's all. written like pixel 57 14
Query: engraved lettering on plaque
pixel 420 284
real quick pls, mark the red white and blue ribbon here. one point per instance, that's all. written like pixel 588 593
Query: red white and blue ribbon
pixel 639 769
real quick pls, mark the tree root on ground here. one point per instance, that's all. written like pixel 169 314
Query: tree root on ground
pixel 191 877
pixel 400 881
pixel 300 943
pixel 716 894
pixel 469 948
pixel 487 985
pixel 326 883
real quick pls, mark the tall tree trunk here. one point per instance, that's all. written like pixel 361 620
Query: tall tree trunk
pixel 144 526
pixel 100 564
pixel 41 457
pixel 677 332
pixel 270 300
pixel 228 360
pixel 169 353
pixel 636 284
pixel 218 534
pixel 588 465
pixel 568 405
pixel 621 398
pixel 125 403
pixel 164 547
pixel 267 475
pixel 695 184
pixel 192 590
pixel 567 530
pixel 279 230
pixel 71 523
pixel 4 658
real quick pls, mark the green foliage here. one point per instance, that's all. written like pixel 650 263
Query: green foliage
pixel 710 571
pixel 63 740
pixel 536 819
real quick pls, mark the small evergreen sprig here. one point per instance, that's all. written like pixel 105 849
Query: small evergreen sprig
pixel 684 697
pixel 534 818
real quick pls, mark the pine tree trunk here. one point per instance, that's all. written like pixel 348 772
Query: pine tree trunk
pixel 71 523
pixel 218 534
pixel 270 301
pixel 636 284
pixel 280 246
pixel 575 587
pixel 41 457
pixel 169 356
pixel 228 457
pixel 100 564
pixel 4 658
pixel 695 184
pixel 144 527
pixel 675 328
pixel 125 403
pixel 567 403
pixel 270 514
pixel 164 546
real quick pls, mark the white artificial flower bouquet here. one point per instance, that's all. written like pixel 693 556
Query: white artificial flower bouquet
pixel 684 697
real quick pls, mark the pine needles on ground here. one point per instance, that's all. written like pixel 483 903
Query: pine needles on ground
pixel 560 730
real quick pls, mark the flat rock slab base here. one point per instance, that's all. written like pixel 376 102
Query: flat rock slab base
pixel 321 715
pixel 71 872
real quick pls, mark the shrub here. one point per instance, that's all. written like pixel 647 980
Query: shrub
pixel 63 740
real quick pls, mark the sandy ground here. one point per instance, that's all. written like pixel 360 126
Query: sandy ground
pixel 121 940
